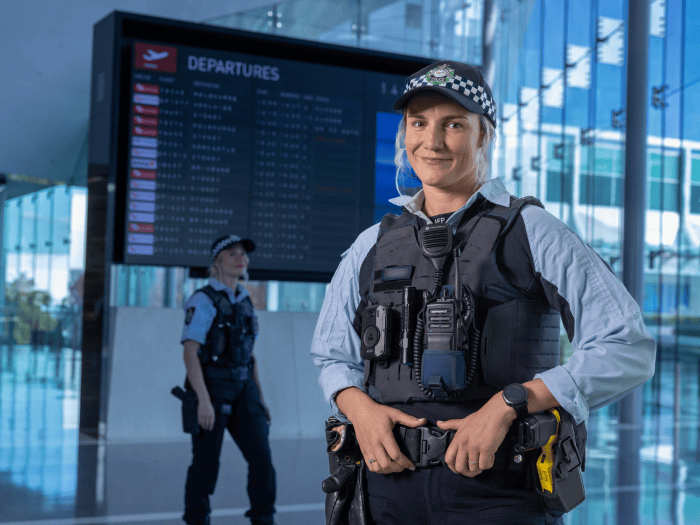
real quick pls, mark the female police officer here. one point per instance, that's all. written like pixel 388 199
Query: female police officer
pixel 516 260
pixel 220 329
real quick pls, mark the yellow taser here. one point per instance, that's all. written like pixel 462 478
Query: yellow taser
pixel 545 463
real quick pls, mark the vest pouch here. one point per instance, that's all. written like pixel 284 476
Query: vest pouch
pixel 236 333
pixel 443 372
pixel 218 341
pixel 520 339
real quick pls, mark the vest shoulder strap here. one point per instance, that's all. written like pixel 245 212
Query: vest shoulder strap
pixel 391 221
pixel 221 301
pixel 507 215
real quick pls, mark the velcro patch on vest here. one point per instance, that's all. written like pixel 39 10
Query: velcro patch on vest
pixel 189 315
pixel 392 278
pixel 396 273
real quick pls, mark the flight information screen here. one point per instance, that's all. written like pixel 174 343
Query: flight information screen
pixel 293 155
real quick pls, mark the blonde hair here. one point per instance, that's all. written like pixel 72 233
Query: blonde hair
pixel 213 271
pixel 482 159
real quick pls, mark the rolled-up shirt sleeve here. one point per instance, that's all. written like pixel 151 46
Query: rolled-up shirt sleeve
pixel 613 352
pixel 335 346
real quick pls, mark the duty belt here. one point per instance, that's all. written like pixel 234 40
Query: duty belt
pixel 231 373
pixel 426 446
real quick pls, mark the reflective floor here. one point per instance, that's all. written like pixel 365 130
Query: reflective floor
pixel 50 475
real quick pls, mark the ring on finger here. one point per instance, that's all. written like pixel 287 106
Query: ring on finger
pixel 473 462
pixel 370 461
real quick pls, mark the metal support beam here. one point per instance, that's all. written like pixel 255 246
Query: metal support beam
pixel 488 62
pixel 3 258
pixel 630 413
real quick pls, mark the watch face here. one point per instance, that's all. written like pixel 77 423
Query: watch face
pixel 515 393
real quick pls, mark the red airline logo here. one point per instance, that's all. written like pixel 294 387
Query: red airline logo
pixel 152 57
pixel 146 132
pixel 146 110
pixel 140 227
pixel 143 174
pixel 146 88
pixel 145 121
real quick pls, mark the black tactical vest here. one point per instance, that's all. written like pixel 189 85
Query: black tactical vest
pixel 232 334
pixel 510 339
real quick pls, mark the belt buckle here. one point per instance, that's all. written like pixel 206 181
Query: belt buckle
pixel 434 443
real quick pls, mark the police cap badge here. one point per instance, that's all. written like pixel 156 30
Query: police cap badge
pixel 461 82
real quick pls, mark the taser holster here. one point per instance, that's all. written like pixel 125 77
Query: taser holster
pixel 345 488
pixel 558 468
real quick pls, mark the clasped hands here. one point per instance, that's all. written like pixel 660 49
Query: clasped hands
pixel 472 450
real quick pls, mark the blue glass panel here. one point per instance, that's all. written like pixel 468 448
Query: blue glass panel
pixel 695 199
pixel 695 170
pixel 617 191
pixel 559 188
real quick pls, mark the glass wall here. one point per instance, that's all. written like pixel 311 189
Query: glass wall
pixel 157 287
pixel 42 264
pixel 562 118
pixel 429 28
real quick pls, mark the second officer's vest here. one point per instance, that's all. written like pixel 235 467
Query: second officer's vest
pixel 232 334
pixel 515 338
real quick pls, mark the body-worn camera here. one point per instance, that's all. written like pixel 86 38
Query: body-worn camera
pixel 376 332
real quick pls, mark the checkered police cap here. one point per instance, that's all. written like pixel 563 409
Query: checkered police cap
pixel 461 82
pixel 227 241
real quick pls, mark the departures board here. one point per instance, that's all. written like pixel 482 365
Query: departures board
pixel 226 142
pixel 214 140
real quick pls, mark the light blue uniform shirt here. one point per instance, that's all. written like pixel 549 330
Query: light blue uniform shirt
pixel 613 352
pixel 204 312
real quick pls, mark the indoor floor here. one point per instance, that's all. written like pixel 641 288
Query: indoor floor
pixel 50 475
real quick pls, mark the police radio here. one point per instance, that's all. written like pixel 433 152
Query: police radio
pixel 442 327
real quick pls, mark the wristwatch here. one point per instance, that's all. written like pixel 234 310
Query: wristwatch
pixel 515 395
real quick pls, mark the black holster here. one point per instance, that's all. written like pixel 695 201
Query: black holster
pixel 345 488
pixel 190 423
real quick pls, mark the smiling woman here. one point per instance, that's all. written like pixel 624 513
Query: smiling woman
pixel 218 337
pixel 417 301
pixel 442 139
pixel 405 169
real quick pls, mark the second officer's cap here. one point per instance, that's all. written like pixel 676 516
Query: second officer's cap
pixel 227 241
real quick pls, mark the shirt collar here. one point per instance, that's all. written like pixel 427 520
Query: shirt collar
pixel 492 190
pixel 219 286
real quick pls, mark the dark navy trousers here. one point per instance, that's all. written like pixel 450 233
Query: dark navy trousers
pixel 438 496
pixel 249 428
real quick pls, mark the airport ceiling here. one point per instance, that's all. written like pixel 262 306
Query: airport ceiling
pixel 45 59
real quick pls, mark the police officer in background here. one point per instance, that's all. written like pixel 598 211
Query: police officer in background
pixel 218 337
pixel 444 363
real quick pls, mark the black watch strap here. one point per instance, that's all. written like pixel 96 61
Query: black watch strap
pixel 520 410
